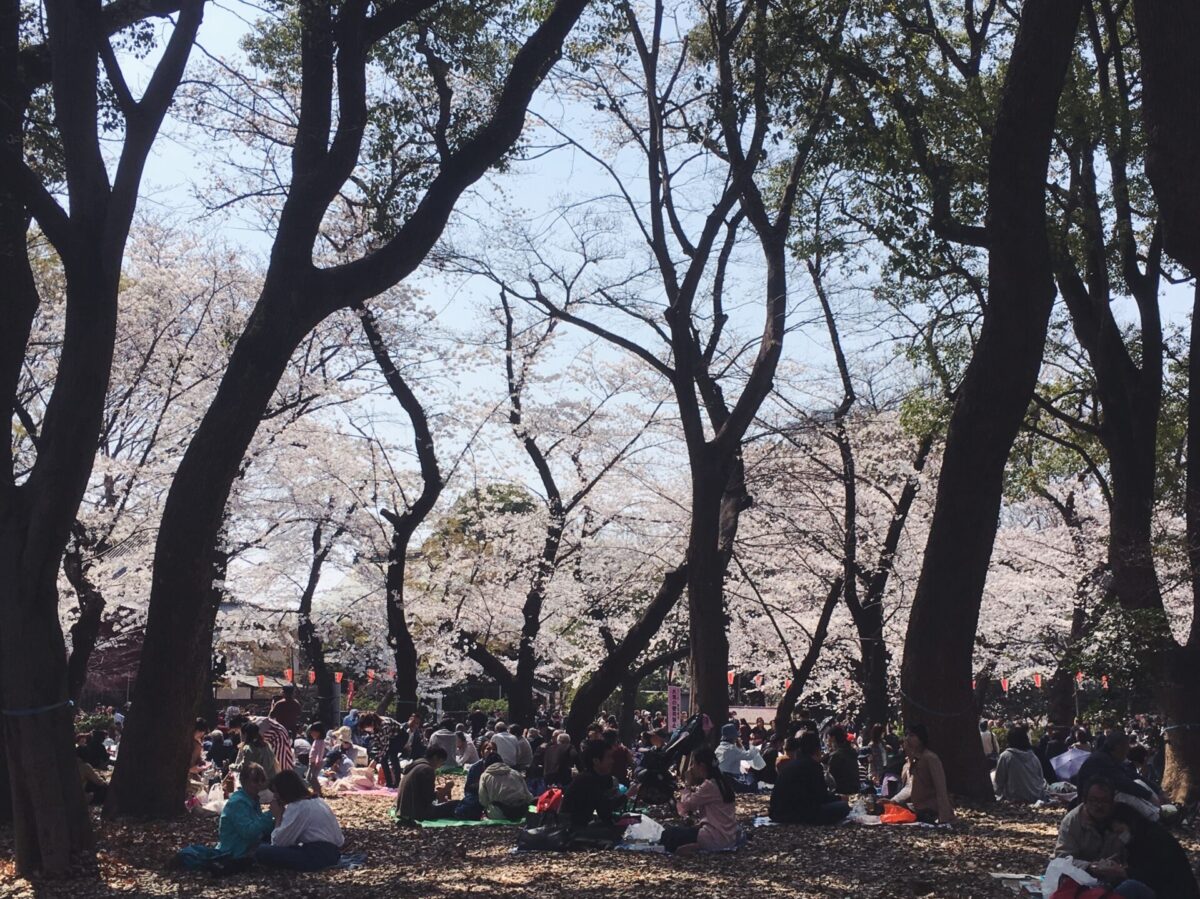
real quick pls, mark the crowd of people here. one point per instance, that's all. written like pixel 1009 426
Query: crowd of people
pixel 1115 827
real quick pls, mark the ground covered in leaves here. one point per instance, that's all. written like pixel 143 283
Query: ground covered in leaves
pixel 477 861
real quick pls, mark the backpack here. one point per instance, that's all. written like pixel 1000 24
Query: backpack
pixel 550 801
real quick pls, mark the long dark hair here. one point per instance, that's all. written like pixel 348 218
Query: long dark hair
pixel 288 786
pixel 705 756
pixel 251 735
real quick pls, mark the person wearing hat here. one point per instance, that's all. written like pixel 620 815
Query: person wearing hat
pixel 340 762
pixel 730 758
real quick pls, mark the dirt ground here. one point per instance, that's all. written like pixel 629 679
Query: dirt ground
pixel 477 861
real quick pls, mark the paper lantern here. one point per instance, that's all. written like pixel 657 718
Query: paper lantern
pixel 1004 684
pixel 262 680
pixel 758 680
pixel 787 684
pixel 1079 677
pixel 730 676
pixel 312 676
pixel 1104 681
pixel 972 685
pixel 370 675
pixel 287 675
pixel 337 676
pixel 1037 681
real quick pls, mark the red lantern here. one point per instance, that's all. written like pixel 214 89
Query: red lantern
pixel 287 675
pixel 1037 681
pixel 972 685
pixel 787 684
pixel 350 692
pixel 730 676
pixel 1079 677
pixel 262 680
pixel 758 681
pixel 370 675
pixel 1004 684
pixel 337 676
pixel 1104 681
pixel 312 676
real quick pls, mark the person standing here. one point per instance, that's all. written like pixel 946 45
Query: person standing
pixel 286 710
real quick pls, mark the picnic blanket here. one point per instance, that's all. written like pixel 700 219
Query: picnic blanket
pixel 434 823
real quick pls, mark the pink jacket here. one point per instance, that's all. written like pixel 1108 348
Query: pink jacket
pixel 718 818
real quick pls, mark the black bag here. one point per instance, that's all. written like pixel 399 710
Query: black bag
pixel 545 838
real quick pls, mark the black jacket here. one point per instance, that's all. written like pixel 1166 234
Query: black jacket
pixel 799 792
pixel 589 793
pixel 1101 764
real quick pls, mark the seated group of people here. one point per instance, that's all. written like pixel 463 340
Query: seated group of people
pixel 300 832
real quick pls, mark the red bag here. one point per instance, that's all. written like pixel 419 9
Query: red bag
pixel 897 814
pixel 550 801
pixel 1069 889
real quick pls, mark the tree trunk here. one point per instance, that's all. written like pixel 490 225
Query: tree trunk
pixel 992 400
pixel 1179 698
pixel 1167 32
pixel 151 771
pixel 404 650
pixel 50 820
pixel 86 630
pixel 787 704
pixel 594 692
pixel 707 620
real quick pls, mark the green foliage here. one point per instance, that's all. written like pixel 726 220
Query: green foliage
pixel 497 707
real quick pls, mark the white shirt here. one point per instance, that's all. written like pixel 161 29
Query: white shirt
pixel 307 821
pixel 506 747
pixel 524 753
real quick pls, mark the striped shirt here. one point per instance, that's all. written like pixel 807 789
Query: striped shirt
pixel 277 737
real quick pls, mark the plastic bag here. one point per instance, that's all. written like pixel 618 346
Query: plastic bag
pixel 646 830
pixel 1057 869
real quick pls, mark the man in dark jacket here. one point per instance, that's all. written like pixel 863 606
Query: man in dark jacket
pixel 418 787
pixel 800 795
pixel 593 791
pixel 1108 764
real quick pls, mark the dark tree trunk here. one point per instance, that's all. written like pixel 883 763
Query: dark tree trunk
pixel 1168 32
pixel 404 525
pixel 151 770
pixel 992 400
pixel 310 642
pixel 594 692
pixel 800 676
pixel 86 630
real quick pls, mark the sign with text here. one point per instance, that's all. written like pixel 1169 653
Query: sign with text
pixel 674 707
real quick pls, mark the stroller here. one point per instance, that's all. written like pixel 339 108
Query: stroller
pixel 655 774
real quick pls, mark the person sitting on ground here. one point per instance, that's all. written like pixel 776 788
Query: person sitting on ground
pixel 1139 760
pixel 991 746
pixel 307 836
pixel 506 744
pixel 465 753
pixel 842 762
pixel 1052 744
pixel 800 795
pixel 1108 763
pixel 418 787
pixel 94 752
pixel 771 754
pixel 274 735
pixel 709 795
pixel 559 760
pixel 242 826
pixel 730 757
pixel 503 793
pixel 199 732
pixel 877 755
pixel 789 753
pixel 339 761
pixel 286 709
pixel 469 807
pixel 94 786
pixel 592 793
pixel 1096 841
pixel 524 749
pixel 1019 775
pixel 924 780
pixel 1155 858
pixel 254 750
pixel 622 758
pixel 221 750
pixel 444 737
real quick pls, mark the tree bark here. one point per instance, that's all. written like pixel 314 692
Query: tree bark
pixel 405 524
pixel 86 630
pixel 992 400
pixel 151 770
pixel 800 676
pixel 594 692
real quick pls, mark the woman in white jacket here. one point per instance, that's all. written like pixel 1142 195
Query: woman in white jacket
pixel 307 836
